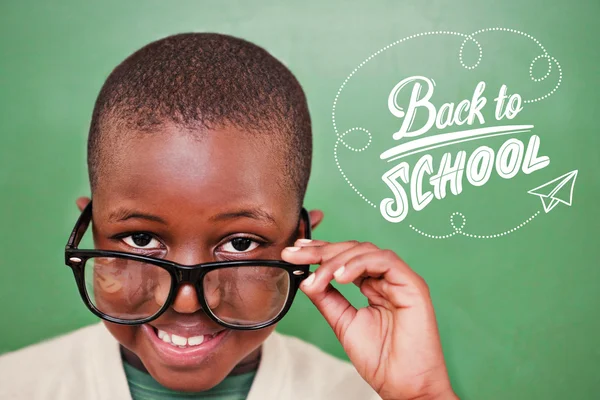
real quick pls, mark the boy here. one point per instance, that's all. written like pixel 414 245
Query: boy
pixel 199 152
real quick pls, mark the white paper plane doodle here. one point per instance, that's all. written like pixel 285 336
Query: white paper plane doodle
pixel 559 190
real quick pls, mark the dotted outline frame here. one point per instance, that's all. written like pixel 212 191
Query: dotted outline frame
pixel 467 37
pixel 459 231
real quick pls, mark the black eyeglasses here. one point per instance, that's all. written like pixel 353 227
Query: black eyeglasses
pixel 132 289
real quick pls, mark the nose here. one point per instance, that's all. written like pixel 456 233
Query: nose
pixel 186 299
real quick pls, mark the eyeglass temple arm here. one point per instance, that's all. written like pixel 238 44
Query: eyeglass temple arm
pixel 80 227
pixel 307 229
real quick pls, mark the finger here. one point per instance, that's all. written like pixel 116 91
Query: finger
pixel 388 274
pixel 315 254
pixel 371 289
pixel 330 267
pixel 310 242
pixel 336 309
pixel 376 264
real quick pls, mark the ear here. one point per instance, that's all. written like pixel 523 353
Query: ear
pixel 316 216
pixel 82 202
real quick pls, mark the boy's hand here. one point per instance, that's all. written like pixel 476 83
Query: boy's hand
pixel 393 342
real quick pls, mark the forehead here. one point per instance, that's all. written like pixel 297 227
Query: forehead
pixel 182 172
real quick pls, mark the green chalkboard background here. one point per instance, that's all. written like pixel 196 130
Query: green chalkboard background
pixel 518 314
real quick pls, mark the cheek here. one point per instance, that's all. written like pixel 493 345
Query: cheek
pixel 245 342
pixel 126 335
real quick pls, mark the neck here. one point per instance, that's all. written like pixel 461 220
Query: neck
pixel 250 363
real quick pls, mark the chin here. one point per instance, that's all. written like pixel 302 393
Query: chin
pixel 196 374
pixel 197 380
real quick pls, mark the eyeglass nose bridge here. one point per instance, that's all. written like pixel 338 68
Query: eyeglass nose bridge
pixel 191 276
pixel 183 276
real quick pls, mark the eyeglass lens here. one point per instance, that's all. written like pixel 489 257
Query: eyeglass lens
pixel 134 290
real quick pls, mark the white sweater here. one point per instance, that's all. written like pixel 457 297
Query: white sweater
pixel 86 365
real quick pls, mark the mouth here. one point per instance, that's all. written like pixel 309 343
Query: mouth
pixel 183 350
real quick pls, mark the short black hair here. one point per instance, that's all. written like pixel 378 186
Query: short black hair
pixel 205 80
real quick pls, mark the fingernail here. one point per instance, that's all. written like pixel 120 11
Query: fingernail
pixel 304 240
pixel 292 248
pixel 338 272
pixel 308 281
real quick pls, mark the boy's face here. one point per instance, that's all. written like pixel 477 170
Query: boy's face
pixel 187 198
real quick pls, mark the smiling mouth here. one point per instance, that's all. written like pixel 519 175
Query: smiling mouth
pixel 182 341
pixel 187 351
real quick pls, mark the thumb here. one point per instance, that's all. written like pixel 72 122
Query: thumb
pixel 336 309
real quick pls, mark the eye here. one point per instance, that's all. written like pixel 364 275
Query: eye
pixel 240 245
pixel 141 241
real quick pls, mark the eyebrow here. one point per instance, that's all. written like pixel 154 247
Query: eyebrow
pixel 124 214
pixel 254 213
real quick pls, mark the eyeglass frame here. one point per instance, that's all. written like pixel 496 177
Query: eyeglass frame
pixel 76 259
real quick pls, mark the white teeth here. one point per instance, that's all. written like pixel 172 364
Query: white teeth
pixel 165 337
pixel 179 340
pixel 195 340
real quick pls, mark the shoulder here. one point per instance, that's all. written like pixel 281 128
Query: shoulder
pixel 319 375
pixel 57 367
pixel 48 350
pixel 310 357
